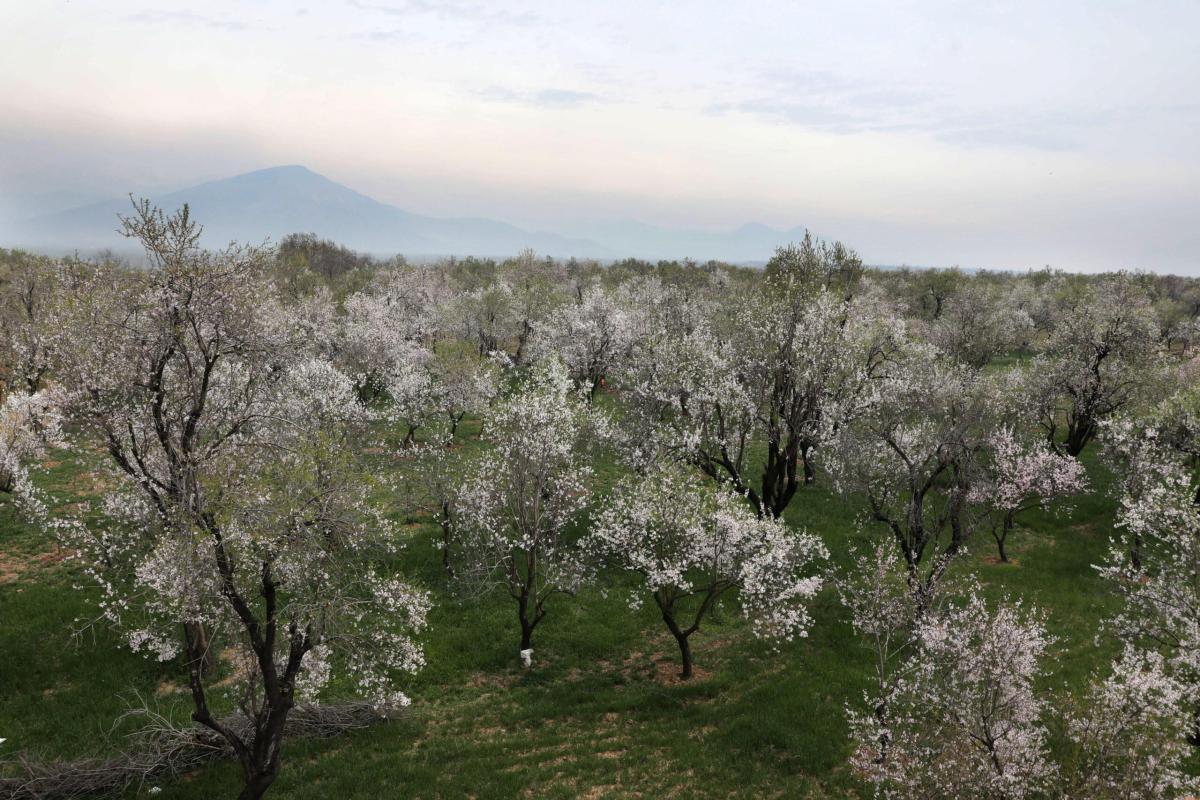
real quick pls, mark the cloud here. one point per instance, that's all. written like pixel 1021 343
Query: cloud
pixel 455 10
pixel 187 18
pixel 828 103
pixel 387 35
pixel 542 98
pixel 1009 135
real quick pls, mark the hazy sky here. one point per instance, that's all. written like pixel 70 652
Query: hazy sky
pixel 996 134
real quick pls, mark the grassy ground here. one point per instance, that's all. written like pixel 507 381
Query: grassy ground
pixel 601 714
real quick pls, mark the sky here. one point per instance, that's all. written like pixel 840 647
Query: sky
pixel 999 134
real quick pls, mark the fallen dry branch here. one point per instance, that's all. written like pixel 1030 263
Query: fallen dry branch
pixel 162 749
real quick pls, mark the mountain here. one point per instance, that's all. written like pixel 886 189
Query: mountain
pixel 271 203
pixel 752 243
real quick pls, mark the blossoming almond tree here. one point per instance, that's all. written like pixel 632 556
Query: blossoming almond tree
pixel 887 602
pixel 238 518
pixel 1159 578
pixel 462 383
pixel 691 545
pixel 1131 733
pixel 590 337
pixel 1018 476
pixel 914 454
pixel 31 292
pixel 29 423
pixel 786 373
pixel 963 720
pixel 516 504
pixel 1100 358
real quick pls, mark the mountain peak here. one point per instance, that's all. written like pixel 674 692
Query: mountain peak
pixel 268 203
pixel 286 173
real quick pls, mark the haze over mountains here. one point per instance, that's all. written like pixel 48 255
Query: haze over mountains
pixel 271 203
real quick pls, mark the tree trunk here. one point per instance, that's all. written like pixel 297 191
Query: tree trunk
pixel 256 786
pixel 1002 537
pixel 522 340
pixel 810 472
pixel 526 635
pixel 681 636
pixel 1079 433
pixel 685 654
pixel 528 623
pixel 197 648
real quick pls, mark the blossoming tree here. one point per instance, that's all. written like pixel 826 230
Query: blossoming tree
pixel 1101 357
pixel 787 371
pixel 590 337
pixel 1131 733
pixel 516 504
pixel 29 423
pixel 691 545
pixel 237 521
pixel 963 719
pixel 1019 476
pixel 914 454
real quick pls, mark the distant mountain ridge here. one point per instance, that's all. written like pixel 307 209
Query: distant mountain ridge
pixel 271 203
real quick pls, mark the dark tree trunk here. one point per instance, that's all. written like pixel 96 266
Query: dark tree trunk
pixel 779 478
pixel 958 531
pixel 667 607
pixel 522 340
pixel 685 655
pixel 1079 433
pixel 256 786
pixel 261 768
pixel 1001 536
pixel 528 621
pixel 885 740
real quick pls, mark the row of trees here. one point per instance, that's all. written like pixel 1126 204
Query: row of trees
pixel 233 394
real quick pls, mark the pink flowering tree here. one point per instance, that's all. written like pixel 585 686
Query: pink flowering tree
pixel 1130 733
pixel 952 700
pixel 691 545
pixel 517 503
pixel 1159 576
pixel 238 521
pixel 887 602
pixel 1018 476
pixel 962 717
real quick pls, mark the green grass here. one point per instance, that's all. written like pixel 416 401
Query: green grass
pixel 599 715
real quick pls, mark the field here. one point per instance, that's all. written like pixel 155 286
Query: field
pixel 600 714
